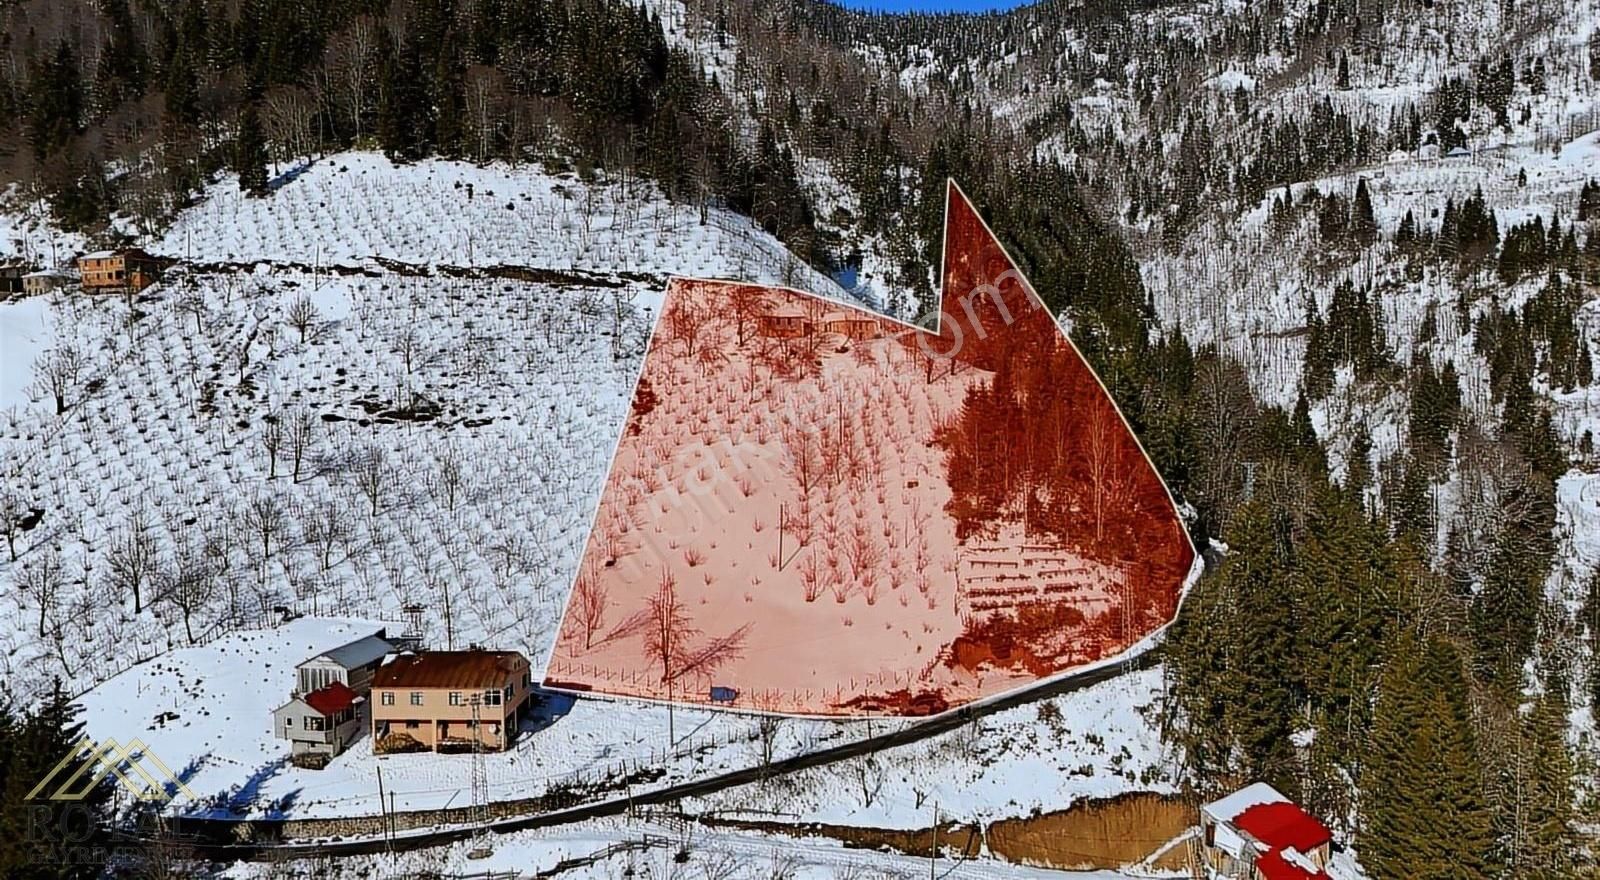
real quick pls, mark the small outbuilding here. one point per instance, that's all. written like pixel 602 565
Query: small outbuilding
pixel 11 274
pixel 46 280
pixel 322 722
pixel 1258 834
pixel 854 326
pixel 785 322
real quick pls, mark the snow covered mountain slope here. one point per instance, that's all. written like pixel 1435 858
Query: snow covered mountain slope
pixel 330 431
pixel 351 208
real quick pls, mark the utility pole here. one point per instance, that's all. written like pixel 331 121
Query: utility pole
pixel 480 784
pixel 383 810
pixel 933 854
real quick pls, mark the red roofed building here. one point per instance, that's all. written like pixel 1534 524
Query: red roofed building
pixel 1258 834
pixel 320 723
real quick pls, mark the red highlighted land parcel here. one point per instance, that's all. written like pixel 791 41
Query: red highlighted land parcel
pixel 820 511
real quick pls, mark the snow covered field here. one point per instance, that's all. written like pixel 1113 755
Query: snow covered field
pixel 1095 743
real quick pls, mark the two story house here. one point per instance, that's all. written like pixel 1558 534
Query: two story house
pixel 328 704
pixel 320 723
pixel 427 700
pixel 351 665
pixel 129 270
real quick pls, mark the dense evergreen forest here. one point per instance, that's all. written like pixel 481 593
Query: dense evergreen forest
pixel 44 839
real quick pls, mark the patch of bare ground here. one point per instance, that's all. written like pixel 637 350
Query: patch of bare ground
pixel 1099 834
pixel 1094 835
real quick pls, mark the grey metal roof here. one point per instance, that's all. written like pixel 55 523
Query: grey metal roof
pixel 362 651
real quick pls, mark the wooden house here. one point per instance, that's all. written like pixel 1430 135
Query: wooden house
pixel 128 270
pixel 449 700
pixel 1258 834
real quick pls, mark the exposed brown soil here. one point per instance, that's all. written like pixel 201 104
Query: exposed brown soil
pixel 1094 835
pixel 1100 834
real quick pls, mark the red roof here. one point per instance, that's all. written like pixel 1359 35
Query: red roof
pixel 1275 866
pixel 1283 826
pixel 331 699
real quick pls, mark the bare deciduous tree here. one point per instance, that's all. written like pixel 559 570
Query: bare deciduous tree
pixel 13 513
pixel 589 605
pixel 290 111
pixel 302 316
pixel 43 578
pixel 1104 449
pixel 57 372
pixel 370 469
pixel 325 529
pixel 272 438
pixel 449 480
pixel 299 427
pixel 350 59
pixel 132 559
pixel 265 517
pixel 187 583
pixel 867 773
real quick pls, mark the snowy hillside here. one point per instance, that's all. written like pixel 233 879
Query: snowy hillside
pixel 328 435
pixel 351 208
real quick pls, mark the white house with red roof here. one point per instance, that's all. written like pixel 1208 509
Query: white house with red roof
pixel 1258 834
pixel 321 722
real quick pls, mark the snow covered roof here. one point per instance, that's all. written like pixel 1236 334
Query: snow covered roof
pixel 362 651
pixel 1277 827
pixel 1228 808
pixel 51 273
pixel 1283 826
pixel 132 252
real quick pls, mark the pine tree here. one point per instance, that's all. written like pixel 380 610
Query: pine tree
pixel 1552 842
pixel 250 153
pixel 1425 814
pixel 1406 235
pixel 32 846
pixel 1363 226
pixel 57 107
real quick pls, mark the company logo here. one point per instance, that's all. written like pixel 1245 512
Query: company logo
pixel 127 764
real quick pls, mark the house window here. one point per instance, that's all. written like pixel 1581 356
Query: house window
pixel 288 722
pixel 388 698
pixel 413 725
pixel 509 689
pixel 416 698
pixel 315 723
pixel 455 698
pixel 491 698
